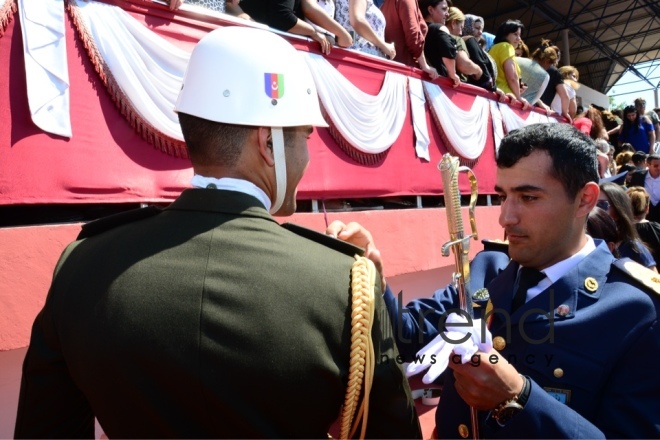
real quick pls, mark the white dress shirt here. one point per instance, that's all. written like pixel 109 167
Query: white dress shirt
pixel 558 270
pixel 231 184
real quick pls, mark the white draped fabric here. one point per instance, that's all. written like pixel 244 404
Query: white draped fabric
pixel 466 130
pixel 147 68
pixel 498 129
pixel 46 70
pixel 512 121
pixel 418 110
pixel 146 71
pixel 369 123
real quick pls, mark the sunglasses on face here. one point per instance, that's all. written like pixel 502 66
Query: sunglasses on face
pixel 603 204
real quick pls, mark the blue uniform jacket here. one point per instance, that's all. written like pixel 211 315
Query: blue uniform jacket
pixel 594 371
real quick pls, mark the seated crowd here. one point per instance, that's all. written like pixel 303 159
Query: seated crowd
pixel 441 40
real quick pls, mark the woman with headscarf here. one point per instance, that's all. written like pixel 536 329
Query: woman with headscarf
pixel 473 27
pixel 471 72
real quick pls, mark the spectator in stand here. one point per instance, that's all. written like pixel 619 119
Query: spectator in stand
pixel 657 111
pixel 534 77
pixel 640 106
pixel 230 7
pixel 639 160
pixel 613 126
pixel 366 23
pixel 606 166
pixel 630 168
pixel 290 15
pixel 571 77
pixel 473 27
pixel 649 232
pixel 504 54
pixel 601 225
pixel 627 147
pixel 406 28
pixel 482 44
pixel 590 122
pixel 522 51
pixel 469 70
pixel 329 7
pixel 650 180
pixel 547 55
pixel 623 158
pixel 439 48
pixel 637 130
pixel 615 201
pixel 213 5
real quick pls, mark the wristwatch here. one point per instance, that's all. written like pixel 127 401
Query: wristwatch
pixel 509 408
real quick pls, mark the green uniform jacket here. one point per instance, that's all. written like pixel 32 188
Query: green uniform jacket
pixel 208 319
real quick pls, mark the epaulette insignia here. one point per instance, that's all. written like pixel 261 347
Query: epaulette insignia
pixel 325 240
pixel 112 221
pixel 641 274
pixel 496 245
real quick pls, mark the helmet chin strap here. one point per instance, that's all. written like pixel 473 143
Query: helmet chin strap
pixel 280 167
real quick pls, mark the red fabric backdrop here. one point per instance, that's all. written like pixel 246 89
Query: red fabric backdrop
pixel 107 161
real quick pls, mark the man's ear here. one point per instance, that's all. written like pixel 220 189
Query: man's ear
pixel 588 198
pixel 265 142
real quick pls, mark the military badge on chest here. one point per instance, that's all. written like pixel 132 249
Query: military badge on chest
pixel 563 396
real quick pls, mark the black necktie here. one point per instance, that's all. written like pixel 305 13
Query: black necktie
pixel 527 279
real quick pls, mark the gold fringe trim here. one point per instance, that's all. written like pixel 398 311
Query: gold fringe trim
pixel 148 132
pixel 445 140
pixel 7 11
pixel 362 362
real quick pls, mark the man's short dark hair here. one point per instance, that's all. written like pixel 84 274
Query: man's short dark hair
pixel 651 157
pixel 211 142
pixel 573 153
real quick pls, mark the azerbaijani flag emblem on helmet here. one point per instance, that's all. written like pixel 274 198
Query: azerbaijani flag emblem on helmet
pixel 274 83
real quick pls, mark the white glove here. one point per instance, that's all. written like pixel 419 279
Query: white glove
pixel 436 354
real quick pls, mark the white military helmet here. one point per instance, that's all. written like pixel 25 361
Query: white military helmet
pixel 246 76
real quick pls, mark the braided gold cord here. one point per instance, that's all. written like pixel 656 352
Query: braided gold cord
pixel 361 367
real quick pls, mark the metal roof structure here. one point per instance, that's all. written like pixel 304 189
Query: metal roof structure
pixel 606 38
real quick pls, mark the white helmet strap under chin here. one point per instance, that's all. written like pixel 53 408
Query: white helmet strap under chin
pixel 280 167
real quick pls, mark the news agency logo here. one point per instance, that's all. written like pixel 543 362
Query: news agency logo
pixel 503 316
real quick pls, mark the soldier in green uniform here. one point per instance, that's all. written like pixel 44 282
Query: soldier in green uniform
pixel 208 318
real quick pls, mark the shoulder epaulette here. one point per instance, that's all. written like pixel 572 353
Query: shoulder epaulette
pixel 639 273
pixel 496 245
pixel 112 221
pixel 325 240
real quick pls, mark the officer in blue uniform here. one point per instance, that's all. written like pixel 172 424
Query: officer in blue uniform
pixel 576 351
